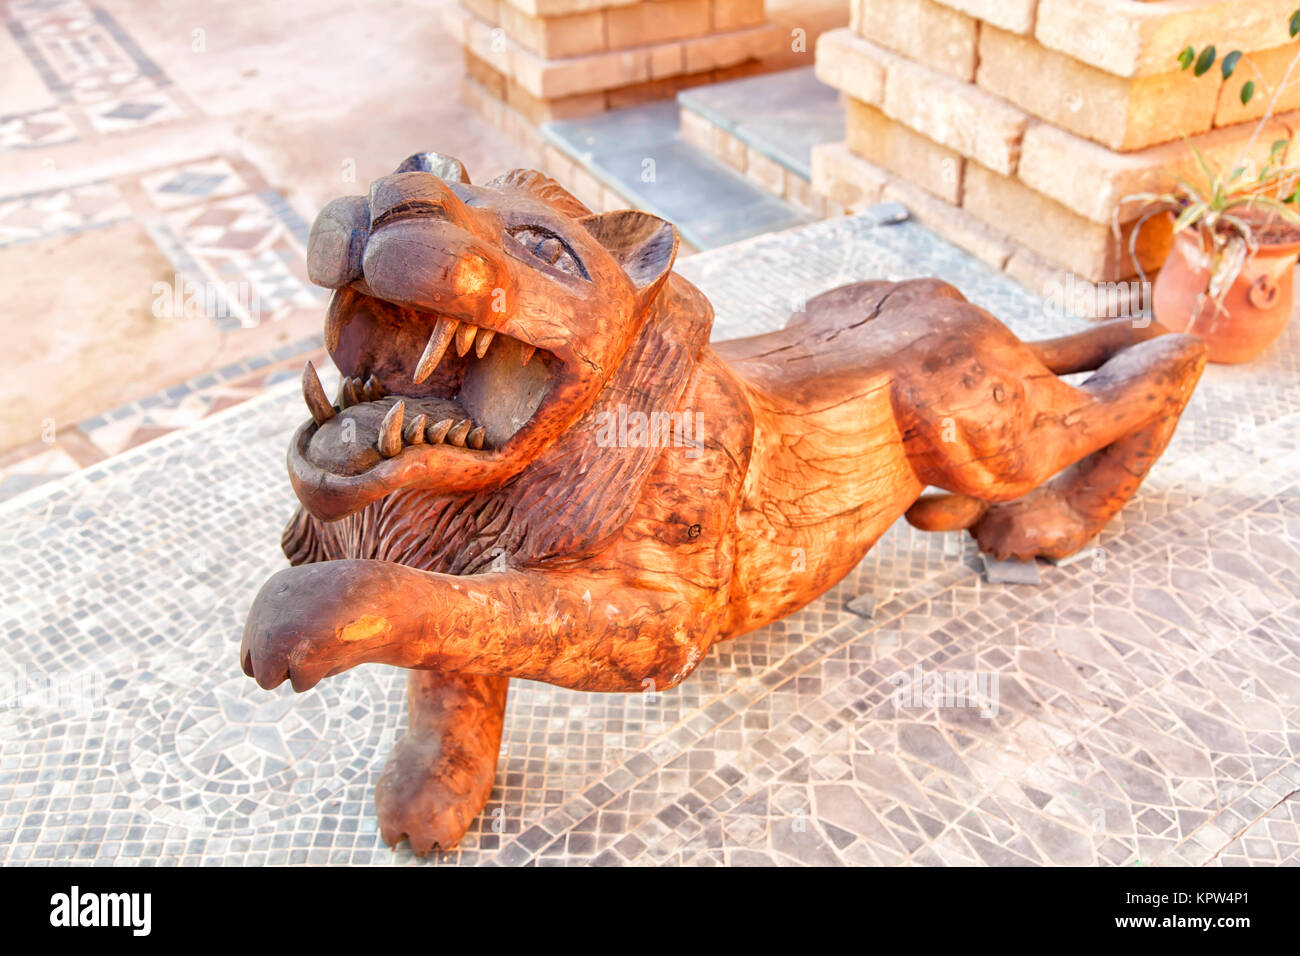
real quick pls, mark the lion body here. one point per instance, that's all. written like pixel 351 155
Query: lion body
pixel 604 558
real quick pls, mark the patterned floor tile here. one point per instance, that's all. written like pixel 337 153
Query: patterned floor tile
pixel 80 50
pixel 244 248
pixel 193 183
pixel 146 107
pixel 36 470
pixel 154 416
pixel 60 212
pixel 1137 709
pixel 35 130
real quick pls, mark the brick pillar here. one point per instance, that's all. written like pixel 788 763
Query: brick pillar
pixel 555 59
pixel 1014 127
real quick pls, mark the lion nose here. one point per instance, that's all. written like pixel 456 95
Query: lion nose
pixel 338 236
pixel 337 241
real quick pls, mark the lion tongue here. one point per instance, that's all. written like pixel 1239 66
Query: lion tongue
pixel 501 392
pixel 359 436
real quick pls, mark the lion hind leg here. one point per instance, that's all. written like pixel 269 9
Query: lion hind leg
pixel 1060 517
pixel 1090 349
pixel 439 774
pixel 945 512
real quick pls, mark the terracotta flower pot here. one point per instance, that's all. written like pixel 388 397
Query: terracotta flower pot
pixel 1255 310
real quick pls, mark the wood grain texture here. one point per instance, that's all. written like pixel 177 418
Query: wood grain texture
pixel 637 495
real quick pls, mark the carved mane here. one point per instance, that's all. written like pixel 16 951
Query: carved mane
pixel 564 506
pixel 545 189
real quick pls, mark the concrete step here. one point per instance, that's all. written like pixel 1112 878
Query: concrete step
pixel 639 154
pixel 778 117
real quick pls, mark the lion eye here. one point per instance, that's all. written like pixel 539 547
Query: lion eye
pixel 549 248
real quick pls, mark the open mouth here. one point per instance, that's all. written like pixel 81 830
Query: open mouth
pixel 417 383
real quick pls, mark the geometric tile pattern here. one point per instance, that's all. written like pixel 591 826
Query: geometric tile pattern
pixel 132 112
pixel 245 250
pixel 247 253
pixel 107 85
pixel 95 70
pixel 60 212
pixel 81 52
pixel 48 127
pixel 192 182
pixel 37 465
pixel 163 413
pixel 1140 708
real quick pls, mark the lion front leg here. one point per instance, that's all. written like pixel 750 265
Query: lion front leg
pixel 464 637
pixel 440 772
pixel 581 630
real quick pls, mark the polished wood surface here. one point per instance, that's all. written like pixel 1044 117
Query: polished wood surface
pixel 504 517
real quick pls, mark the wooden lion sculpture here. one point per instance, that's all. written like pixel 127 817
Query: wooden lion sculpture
pixel 538 467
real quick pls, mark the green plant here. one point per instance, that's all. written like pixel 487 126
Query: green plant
pixel 1227 211
pixel 1229 207
pixel 1200 64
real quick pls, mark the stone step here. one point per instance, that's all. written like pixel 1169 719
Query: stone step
pixel 639 155
pixel 764 126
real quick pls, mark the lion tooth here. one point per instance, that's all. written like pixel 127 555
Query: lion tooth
pixel 481 343
pixel 413 433
pixel 348 391
pixel 390 431
pixel 475 438
pixel 526 352
pixel 457 435
pixel 465 337
pixel 335 319
pixel 443 330
pixel 436 432
pixel 373 389
pixel 314 395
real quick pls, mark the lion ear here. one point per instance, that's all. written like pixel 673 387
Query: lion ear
pixel 644 245
pixel 447 168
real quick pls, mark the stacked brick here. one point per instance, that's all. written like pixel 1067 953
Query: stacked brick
pixel 555 59
pixel 1015 127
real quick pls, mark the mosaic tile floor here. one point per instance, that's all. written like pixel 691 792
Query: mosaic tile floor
pixel 234 244
pixel 216 218
pixel 1142 707
pixel 96 70
pixel 127 426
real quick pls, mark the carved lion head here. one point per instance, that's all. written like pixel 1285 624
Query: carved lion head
pixel 473 325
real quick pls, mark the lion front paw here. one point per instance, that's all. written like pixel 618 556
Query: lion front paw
pixel 308 623
pixel 440 773
pixel 424 798
pixel 1039 524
